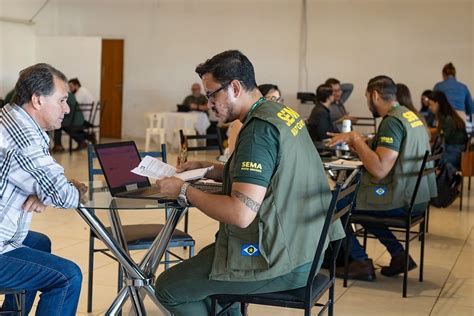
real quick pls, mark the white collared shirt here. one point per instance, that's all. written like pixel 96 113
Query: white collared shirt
pixel 26 168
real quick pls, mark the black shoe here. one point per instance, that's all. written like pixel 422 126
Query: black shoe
pixel 91 137
pixel 397 265
pixel 358 270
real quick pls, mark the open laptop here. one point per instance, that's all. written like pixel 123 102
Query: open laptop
pixel 116 161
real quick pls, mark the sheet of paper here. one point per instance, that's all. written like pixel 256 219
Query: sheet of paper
pixel 345 164
pixel 154 168
pixel 192 174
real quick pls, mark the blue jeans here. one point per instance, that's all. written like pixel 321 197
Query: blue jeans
pixel 33 268
pixel 383 234
pixel 452 154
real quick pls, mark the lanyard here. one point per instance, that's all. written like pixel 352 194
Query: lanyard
pixel 254 106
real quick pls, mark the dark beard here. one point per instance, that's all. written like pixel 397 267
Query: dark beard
pixel 373 109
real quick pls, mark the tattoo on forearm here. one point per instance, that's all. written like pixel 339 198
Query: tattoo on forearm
pixel 251 204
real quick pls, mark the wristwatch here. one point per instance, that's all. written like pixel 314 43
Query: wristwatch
pixel 182 199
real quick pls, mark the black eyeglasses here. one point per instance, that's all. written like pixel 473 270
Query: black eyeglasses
pixel 210 95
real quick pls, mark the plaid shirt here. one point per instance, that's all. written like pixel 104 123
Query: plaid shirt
pixel 26 168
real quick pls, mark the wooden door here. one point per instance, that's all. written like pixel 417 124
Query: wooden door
pixel 111 84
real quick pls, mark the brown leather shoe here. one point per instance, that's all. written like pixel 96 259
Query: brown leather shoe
pixel 397 265
pixel 358 270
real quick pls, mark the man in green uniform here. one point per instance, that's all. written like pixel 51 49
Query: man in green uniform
pixel 391 163
pixel 275 198
pixel 196 101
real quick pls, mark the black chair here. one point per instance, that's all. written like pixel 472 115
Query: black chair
pixel 184 139
pixel 94 128
pixel 399 224
pixel 86 109
pixel 139 236
pixel 306 97
pixel 366 121
pixel 20 297
pixel 318 283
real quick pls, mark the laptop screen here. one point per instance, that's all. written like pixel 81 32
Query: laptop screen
pixel 116 160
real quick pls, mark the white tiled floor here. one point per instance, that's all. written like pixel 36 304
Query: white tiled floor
pixel 448 287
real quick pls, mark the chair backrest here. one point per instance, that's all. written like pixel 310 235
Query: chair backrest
pixel 155 120
pixel 342 203
pixel 366 121
pixel 428 166
pixel 87 109
pixel 217 137
pixel 98 108
pixel 95 171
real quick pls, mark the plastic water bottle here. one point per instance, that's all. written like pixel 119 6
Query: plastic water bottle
pixel 346 128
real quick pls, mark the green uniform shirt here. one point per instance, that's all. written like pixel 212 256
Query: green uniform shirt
pixel 452 134
pixel 75 117
pixel 390 134
pixel 258 144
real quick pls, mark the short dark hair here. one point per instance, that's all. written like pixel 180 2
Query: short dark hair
pixel 227 66
pixel 385 86
pixel 323 92
pixel 265 88
pixel 75 81
pixel 331 81
pixel 449 70
pixel 404 96
pixel 36 80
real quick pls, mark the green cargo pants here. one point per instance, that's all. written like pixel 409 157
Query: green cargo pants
pixel 185 288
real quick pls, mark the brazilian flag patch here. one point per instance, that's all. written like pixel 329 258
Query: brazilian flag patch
pixel 380 191
pixel 250 250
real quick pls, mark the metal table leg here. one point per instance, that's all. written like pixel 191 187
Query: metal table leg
pixel 138 276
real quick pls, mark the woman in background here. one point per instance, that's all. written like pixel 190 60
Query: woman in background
pixel 269 92
pixel 450 126
pixel 430 118
pixel 404 98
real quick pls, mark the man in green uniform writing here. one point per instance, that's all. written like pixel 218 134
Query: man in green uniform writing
pixel 392 162
pixel 275 198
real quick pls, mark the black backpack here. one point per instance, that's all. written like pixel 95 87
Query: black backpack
pixel 448 181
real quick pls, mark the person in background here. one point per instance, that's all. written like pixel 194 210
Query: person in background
pixel 457 93
pixel 430 118
pixel 30 180
pixel 82 94
pixel 341 92
pixel 270 92
pixel 73 119
pixel 451 127
pixel 319 122
pixel 387 183
pixel 196 101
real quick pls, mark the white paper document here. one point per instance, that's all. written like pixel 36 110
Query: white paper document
pixel 343 164
pixel 155 168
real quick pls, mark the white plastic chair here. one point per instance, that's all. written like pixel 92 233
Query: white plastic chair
pixel 155 128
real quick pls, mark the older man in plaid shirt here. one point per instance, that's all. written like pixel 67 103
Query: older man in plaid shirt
pixel 30 179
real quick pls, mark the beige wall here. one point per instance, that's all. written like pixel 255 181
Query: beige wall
pixel 351 40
